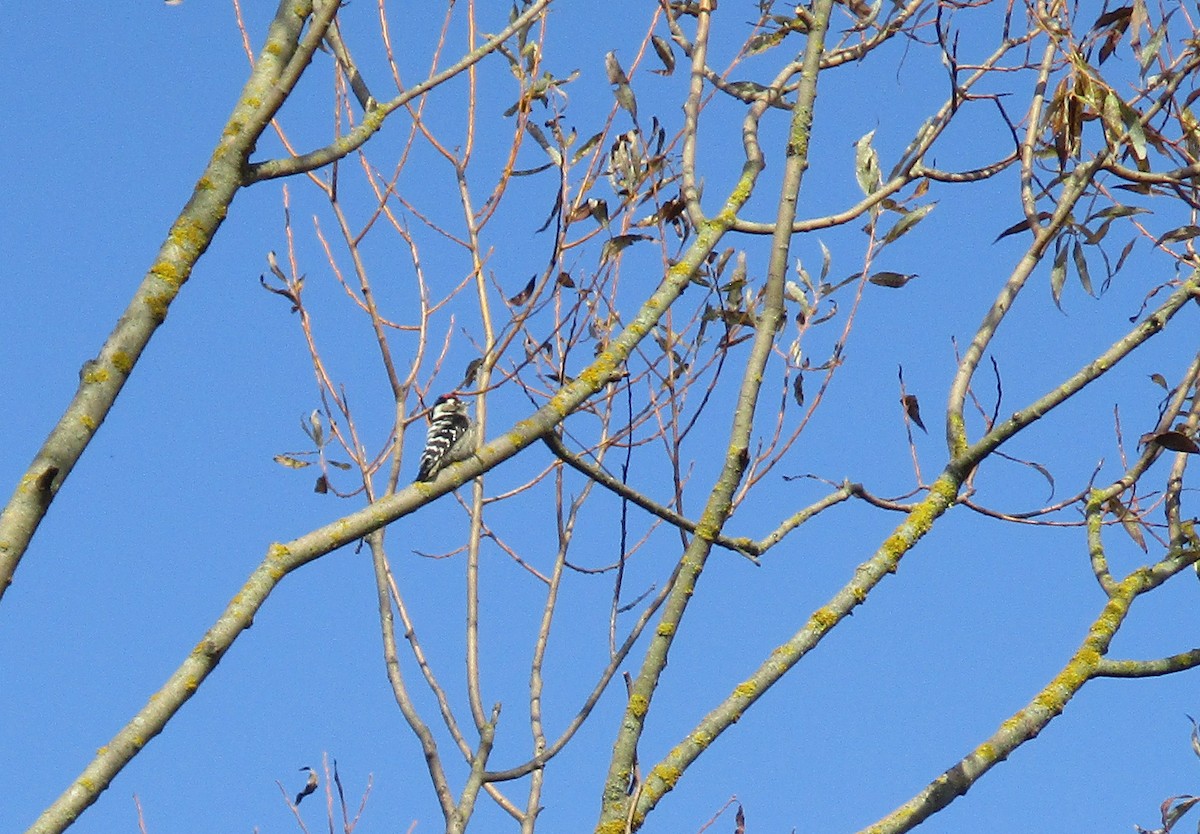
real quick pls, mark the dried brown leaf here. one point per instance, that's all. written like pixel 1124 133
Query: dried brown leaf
pixel 472 370
pixel 913 410
pixel 1129 521
pixel 614 246
pixel 1175 441
pixel 524 295
pixel 1023 226
pixel 895 280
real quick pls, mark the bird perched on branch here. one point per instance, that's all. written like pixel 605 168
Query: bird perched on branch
pixel 452 436
pixel 310 784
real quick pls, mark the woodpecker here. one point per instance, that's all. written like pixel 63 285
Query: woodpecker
pixel 310 785
pixel 451 438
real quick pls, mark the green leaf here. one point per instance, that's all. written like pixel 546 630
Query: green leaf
pixel 722 260
pixel 1151 49
pixel 1110 111
pixel 907 221
pixel 622 92
pixel 746 90
pixel 1178 235
pixel 866 165
pixel 1137 135
pixel 525 172
pixel 1128 520
pixel 291 462
pixel 662 48
pixel 1124 254
pixel 612 69
pixel 315 429
pixel 764 41
pixel 587 147
pixel 1109 215
pixel 625 99
pixel 1082 268
pixel 616 245
pixel 1058 273
pixel 1117 211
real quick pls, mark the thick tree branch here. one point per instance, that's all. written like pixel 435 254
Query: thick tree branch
pixel 1107 668
pixel 374 118
pixel 101 379
pixel 1102 364
pixel 618 809
pixel 886 559
pixel 282 559
pixel 1074 188
pixel 1087 663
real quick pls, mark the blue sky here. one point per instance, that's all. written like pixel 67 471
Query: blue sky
pixel 112 114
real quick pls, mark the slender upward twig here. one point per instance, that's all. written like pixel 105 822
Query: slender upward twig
pixel 618 808
pixel 599 475
pixel 433 759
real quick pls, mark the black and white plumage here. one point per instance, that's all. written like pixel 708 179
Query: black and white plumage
pixel 310 785
pixel 451 437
